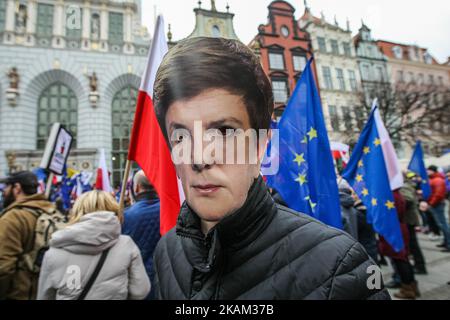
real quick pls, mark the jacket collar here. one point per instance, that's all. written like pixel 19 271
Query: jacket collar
pixel 233 232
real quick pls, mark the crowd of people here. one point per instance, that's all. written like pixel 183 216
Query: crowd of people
pixel 44 253
pixel 231 239
pixel 415 214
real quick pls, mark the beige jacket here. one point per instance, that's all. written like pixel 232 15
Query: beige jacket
pixel 16 238
pixel 74 253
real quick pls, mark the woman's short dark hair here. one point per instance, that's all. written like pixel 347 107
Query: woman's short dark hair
pixel 198 64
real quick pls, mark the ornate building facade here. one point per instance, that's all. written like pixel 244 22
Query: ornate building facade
pixel 416 72
pixel 338 74
pixel 74 62
pixel 373 66
pixel 284 49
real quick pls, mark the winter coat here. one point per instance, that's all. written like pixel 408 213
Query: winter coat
pixel 349 214
pixel 74 253
pixel 17 227
pixel 412 206
pixel 262 251
pixel 384 247
pixel 141 223
pixel 438 190
pixel 366 234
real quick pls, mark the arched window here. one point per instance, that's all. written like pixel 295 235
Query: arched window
pixel 57 103
pixel 216 32
pixel 123 109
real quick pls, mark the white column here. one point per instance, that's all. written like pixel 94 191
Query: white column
pixel 31 13
pixel 127 25
pixel 86 28
pixel 10 15
pixel 104 23
pixel 58 19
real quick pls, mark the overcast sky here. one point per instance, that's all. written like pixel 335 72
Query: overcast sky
pixel 425 23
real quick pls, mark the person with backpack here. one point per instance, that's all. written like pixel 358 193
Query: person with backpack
pixel 25 225
pixel 90 259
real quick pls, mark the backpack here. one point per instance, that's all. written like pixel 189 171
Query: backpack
pixel 46 224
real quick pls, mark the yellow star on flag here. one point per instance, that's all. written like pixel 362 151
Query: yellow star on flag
pixel 365 192
pixel 359 178
pixel 360 164
pixel 366 150
pixel 390 205
pixel 313 205
pixel 299 158
pixel 424 181
pixel 377 142
pixel 305 139
pixel 312 134
pixel 301 179
pixel 374 202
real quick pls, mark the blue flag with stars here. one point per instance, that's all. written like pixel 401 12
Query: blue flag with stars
pixel 417 165
pixel 306 179
pixel 367 174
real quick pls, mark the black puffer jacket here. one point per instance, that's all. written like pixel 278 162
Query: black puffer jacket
pixel 262 251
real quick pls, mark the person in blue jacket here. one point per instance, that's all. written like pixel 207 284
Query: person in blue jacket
pixel 141 221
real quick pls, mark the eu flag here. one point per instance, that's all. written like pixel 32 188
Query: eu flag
pixel 306 179
pixel 417 165
pixel 367 174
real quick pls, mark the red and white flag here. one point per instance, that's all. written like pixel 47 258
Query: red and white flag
pixel 102 182
pixel 390 157
pixel 148 146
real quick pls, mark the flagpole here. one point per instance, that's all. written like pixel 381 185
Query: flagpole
pixel 48 188
pixel 124 186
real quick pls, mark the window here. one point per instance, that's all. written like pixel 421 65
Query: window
pixel 431 79
pixel 57 103
pixel 115 28
pixel 280 92
pixel 347 117
pixel 276 61
pixel 441 81
pixel 366 73
pixel 285 31
pixel 340 78
pixel 327 78
pixel 398 52
pixel 428 58
pixel 44 25
pixel 216 32
pixel 123 106
pixel 347 49
pixel 322 44
pixel 400 76
pixel 334 118
pixel 352 79
pixel 421 78
pixel 380 74
pixel 411 77
pixel 299 63
pixel 360 117
pixel 334 47
pixel 73 30
pixel 2 15
pixel 370 52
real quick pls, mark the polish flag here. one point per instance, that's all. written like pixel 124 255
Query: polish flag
pixel 102 182
pixel 390 157
pixel 148 147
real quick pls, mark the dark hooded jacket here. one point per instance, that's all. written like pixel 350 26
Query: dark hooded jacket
pixel 262 251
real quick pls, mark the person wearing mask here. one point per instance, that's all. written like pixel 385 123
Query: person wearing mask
pixel 90 259
pixel 232 241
